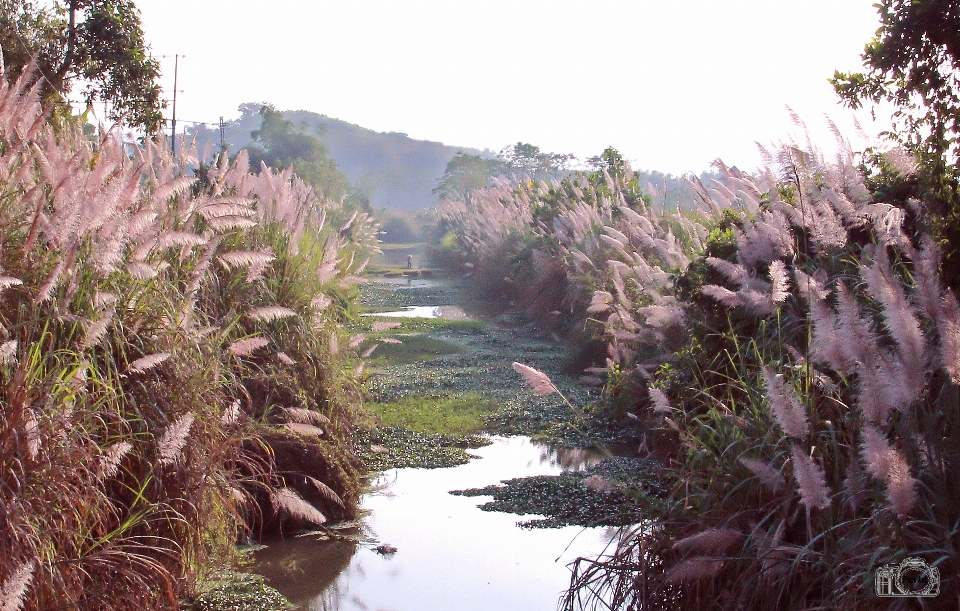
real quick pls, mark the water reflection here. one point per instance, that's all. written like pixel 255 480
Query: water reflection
pixel 451 555
pixel 407 281
pixel 449 312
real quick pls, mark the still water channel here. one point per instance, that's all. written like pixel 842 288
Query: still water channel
pixel 450 554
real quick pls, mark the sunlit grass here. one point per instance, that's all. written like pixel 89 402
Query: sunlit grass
pixel 458 415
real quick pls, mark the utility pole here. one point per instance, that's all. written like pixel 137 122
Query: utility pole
pixel 173 127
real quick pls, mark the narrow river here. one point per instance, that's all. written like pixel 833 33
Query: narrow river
pixel 450 554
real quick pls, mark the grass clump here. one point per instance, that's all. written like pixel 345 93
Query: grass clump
pixel 787 352
pixel 169 371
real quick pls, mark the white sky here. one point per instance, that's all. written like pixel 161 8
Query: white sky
pixel 672 84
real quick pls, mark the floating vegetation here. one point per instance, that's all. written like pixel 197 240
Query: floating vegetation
pixel 602 495
pixel 453 415
pixel 239 592
pixel 396 447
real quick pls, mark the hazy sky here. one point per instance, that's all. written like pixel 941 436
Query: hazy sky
pixel 672 84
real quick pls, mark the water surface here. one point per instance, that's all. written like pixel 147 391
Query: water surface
pixel 451 555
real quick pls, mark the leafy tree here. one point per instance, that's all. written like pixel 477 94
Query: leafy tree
pixel 467 173
pixel 279 145
pixel 98 42
pixel 528 159
pixel 611 162
pixel 914 63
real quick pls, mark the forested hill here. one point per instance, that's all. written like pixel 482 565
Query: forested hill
pixel 395 171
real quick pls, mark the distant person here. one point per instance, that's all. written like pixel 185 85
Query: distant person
pixel 409 261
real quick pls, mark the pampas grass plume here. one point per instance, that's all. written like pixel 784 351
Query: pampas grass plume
pixel 148 362
pixel 110 460
pixel 784 405
pixel 246 347
pixel 538 381
pixel 713 541
pixel 174 438
pixel 8 351
pixel 768 476
pixel 810 480
pixel 270 313
pixel 382 325
pixel 659 401
pixel 14 591
pixel 293 504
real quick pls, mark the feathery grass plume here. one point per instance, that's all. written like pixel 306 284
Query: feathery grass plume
pixel 270 313
pixel 768 476
pixel 231 414
pixel 334 343
pixel 8 352
pixel 722 294
pixel 694 568
pixel 600 484
pixel 659 401
pixel 93 331
pixel 305 416
pixel 537 380
pixel 381 325
pixel 779 281
pixel 147 362
pixel 734 272
pixel 875 451
pixel 714 541
pixel 811 480
pixel 303 429
pixel 369 351
pixel 8 281
pixel 320 302
pixel 284 358
pixel 357 339
pixel 31 430
pixel 141 271
pixel 13 593
pixel 325 491
pixel 899 317
pixel 293 504
pixel 244 258
pixel 390 340
pixel 901 485
pixel 111 457
pixel 247 346
pixel 784 404
pixel 174 438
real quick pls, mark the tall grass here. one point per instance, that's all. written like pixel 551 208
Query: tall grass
pixel 162 341
pixel 790 354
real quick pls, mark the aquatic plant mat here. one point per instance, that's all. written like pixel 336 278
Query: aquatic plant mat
pixel 601 495
pixel 238 592
pixel 448 382
pixel 451 379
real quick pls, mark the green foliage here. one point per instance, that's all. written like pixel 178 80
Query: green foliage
pixel 97 42
pixel 913 63
pixel 168 350
pixel 279 145
pixel 453 415
pixel 528 160
pixel 467 173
